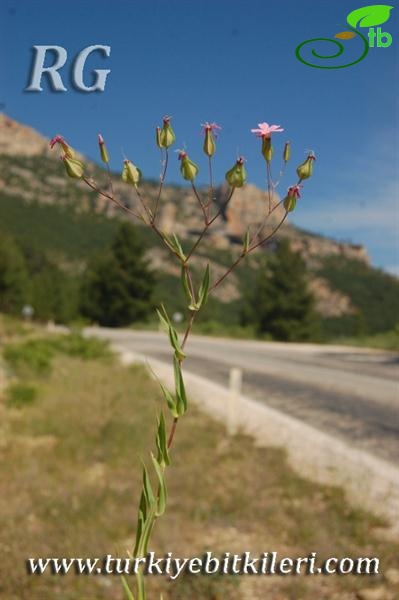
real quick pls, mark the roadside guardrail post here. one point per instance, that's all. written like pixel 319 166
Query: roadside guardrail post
pixel 235 385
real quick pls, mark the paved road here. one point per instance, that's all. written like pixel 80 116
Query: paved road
pixel 351 393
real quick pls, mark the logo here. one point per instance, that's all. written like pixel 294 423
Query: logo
pixel 368 17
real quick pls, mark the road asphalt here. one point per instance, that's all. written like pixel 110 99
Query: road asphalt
pixel 350 393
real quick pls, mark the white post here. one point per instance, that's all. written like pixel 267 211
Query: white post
pixel 235 391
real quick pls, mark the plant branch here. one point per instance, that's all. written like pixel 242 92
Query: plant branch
pixel 163 175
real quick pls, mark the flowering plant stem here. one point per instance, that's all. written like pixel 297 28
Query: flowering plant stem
pixel 153 501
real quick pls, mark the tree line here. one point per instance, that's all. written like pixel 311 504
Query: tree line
pixel 117 288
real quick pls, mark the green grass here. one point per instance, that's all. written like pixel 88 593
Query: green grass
pixel 72 483
pixel 19 395
pixel 35 356
pixel 383 341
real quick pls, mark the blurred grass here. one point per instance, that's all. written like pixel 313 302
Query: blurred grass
pixel 21 394
pixel 383 341
pixel 73 478
pixel 35 356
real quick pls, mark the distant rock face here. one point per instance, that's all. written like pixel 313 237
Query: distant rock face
pixel 249 207
pixel 329 303
pixel 20 140
pixel 178 212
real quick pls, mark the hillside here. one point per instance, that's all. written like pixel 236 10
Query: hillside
pixel 41 206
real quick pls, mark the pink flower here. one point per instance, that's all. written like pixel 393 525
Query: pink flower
pixel 210 127
pixel 57 139
pixel 181 154
pixel 294 191
pixel 264 130
pixel 100 139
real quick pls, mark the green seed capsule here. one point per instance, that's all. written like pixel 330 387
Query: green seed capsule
pixel 287 152
pixel 289 203
pixel 73 167
pixel 237 176
pixel 305 170
pixel 188 168
pixel 103 149
pixel 167 135
pixel 131 174
pixel 209 142
pixel 267 149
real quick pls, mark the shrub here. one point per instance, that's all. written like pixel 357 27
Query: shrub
pixel 34 356
pixel 77 345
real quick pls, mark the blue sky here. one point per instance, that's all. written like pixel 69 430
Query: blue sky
pixel 235 64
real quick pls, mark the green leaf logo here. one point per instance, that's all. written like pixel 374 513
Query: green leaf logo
pixel 369 16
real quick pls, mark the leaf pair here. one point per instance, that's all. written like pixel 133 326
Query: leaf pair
pixel 203 292
pixel 175 245
pixel 151 506
pixel 173 337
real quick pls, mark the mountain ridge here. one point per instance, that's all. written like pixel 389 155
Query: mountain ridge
pixel 31 172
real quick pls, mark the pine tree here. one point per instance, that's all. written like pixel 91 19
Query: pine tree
pixel 118 284
pixel 14 283
pixel 283 306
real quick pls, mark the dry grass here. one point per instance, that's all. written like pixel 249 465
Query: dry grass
pixel 70 483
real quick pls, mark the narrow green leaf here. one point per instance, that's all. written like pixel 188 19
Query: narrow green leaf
pixel 179 247
pixel 140 526
pixel 127 589
pixel 163 454
pixel 175 245
pixel 142 550
pixel 173 336
pixel 181 396
pixel 147 488
pixel 186 286
pixel 164 319
pixel 171 402
pixel 162 494
pixel 204 287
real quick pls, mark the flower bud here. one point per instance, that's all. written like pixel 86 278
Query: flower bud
pixel 209 142
pixel 291 198
pixel 237 176
pixel 131 174
pixel 58 139
pixel 167 136
pixel 287 152
pixel 188 169
pixel 158 137
pixel 103 149
pixel 289 203
pixel 267 148
pixel 73 167
pixel 305 170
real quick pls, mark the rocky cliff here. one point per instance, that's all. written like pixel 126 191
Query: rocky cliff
pixel 26 178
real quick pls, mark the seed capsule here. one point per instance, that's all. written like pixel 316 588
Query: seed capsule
pixel 287 152
pixel 305 170
pixel 188 168
pixel 267 149
pixel 209 142
pixel 73 167
pixel 131 174
pixel 103 149
pixel 167 135
pixel 237 176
